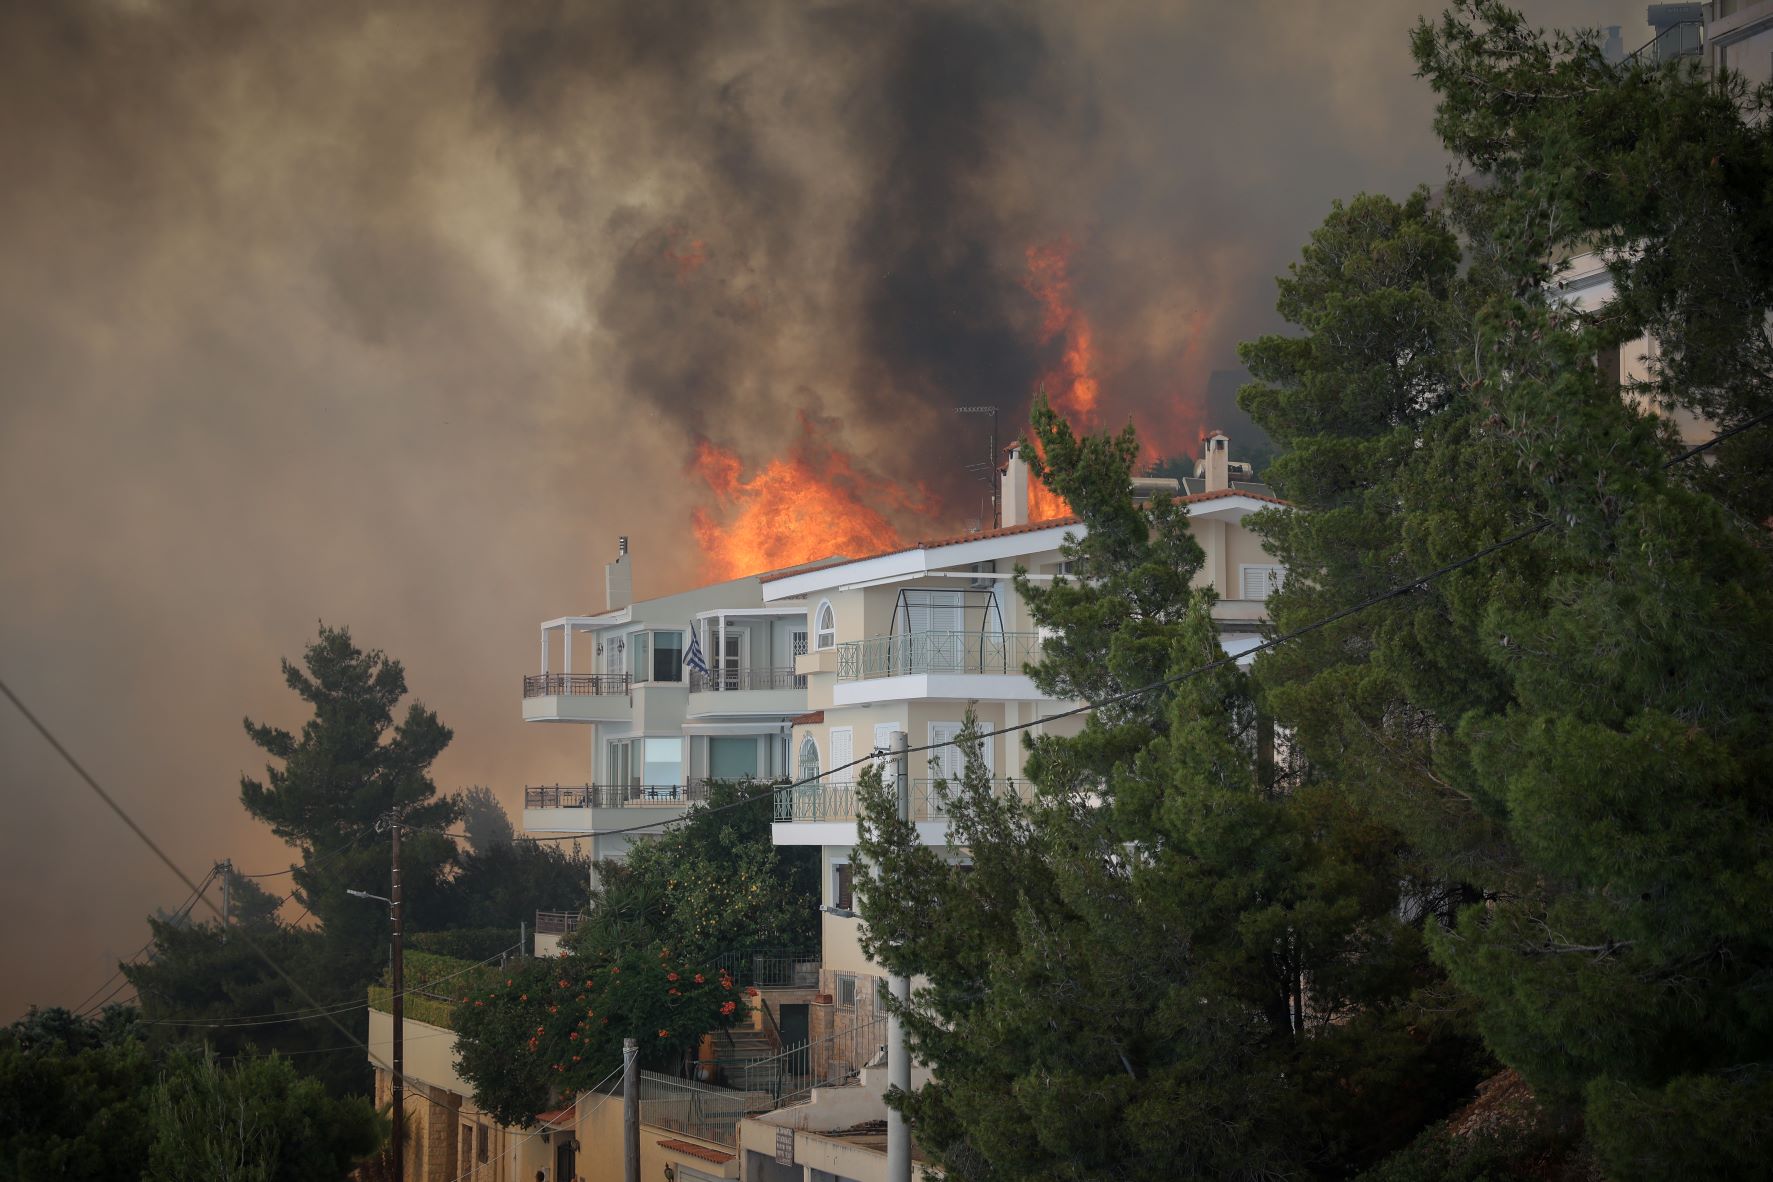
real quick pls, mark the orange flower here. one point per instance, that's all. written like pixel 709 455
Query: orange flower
pixel 698 978
pixel 664 1034
pixel 727 1007
pixel 670 976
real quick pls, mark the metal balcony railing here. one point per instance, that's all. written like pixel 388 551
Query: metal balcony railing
pixel 716 680
pixel 834 801
pixel 542 685
pixel 557 923
pixel 1685 39
pixel 613 796
pixel 936 652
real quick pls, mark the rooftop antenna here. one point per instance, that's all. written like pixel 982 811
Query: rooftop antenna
pixel 988 470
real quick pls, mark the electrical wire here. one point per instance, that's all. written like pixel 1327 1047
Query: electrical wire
pixel 85 1008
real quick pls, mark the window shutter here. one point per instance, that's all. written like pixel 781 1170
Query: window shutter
pixel 843 750
pixel 1259 581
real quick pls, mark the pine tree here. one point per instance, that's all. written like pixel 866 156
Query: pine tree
pixel 1572 733
pixel 349 767
pixel 1170 963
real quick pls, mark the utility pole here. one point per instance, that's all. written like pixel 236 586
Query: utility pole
pixel 898 1147
pixel 224 868
pixel 394 921
pixel 630 1110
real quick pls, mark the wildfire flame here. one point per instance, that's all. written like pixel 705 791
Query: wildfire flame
pixel 1073 387
pixel 811 504
pixel 1043 503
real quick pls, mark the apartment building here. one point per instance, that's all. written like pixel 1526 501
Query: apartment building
pixel 658 729
pixel 906 641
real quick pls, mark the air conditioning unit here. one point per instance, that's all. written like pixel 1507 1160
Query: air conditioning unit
pixel 979 581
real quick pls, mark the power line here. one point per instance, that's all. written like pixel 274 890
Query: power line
pixel 85 1007
pixel 142 834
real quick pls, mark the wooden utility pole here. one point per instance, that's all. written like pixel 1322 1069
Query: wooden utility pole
pixel 630 1110
pixel 399 974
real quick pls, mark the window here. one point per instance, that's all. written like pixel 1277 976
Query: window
pixel 667 656
pixel 639 663
pixel 467 1146
pixel 663 761
pixel 825 626
pixel 846 988
pixel 809 759
pixel 842 892
pixel 797 648
pixel 932 611
pixel 480 1152
pixel 1259 581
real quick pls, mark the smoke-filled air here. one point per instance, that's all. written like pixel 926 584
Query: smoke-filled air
pixel 395 315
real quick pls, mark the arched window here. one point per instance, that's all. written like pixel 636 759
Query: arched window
pixel 825 626
pixel 809 759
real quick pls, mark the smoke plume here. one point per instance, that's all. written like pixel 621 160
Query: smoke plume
pixel 396 314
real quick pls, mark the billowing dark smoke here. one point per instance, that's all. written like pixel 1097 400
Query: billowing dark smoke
pixel 395 314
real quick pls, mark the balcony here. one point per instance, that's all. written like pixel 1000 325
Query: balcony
pixel 577 697
pixel 945 665
pixel 827 801
pixel 746 692
pixel 614 796
pixel 936 652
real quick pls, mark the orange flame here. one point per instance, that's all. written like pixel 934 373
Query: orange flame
pixel 1075 391
pixel 1043 503
pixel 686 255
pixel 812 504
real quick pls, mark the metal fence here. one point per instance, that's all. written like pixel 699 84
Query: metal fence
pixel 717 680
pixel 772 968
pixel 936 652
pixel 696 1109
pixel 557 923
pixel 613 796
pixel 828 1062
pixel 833 801
pixel 541 685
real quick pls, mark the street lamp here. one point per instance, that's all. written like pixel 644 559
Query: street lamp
pixel 367 895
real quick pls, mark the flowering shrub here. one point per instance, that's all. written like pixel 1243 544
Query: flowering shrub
pixel 550 1028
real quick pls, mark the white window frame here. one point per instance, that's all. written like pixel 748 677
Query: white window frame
pixel 1277 578
pixel 800 758
pixel 824 638
pixel 837 990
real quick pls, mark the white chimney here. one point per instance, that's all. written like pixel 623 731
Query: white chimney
pixel 1216 462
pixel 1013 487
pixel 618 578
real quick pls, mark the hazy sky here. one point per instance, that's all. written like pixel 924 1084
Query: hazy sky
pixel 395 315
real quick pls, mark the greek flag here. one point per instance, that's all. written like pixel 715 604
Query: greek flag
pixel 693 655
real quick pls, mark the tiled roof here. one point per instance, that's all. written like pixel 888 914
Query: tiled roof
pixel 560 1116
pixel 694 1150
pixel 807 719
pixel 1010 530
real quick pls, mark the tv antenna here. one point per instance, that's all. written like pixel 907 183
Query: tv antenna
pixel 988 470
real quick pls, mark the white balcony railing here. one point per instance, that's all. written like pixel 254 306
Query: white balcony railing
pixel 835 801
pixel 936 652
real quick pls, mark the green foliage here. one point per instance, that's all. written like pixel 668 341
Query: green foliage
pixel 712 886
pixel 466 944
pixel 1573 731
pixel 196 976
pixel 484 820
pixel 349 766
pixel 549 1028
pixel 88 1099
pixel 71 1090
pixel 258 1122
pixel 1170 963
pixel 503 886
